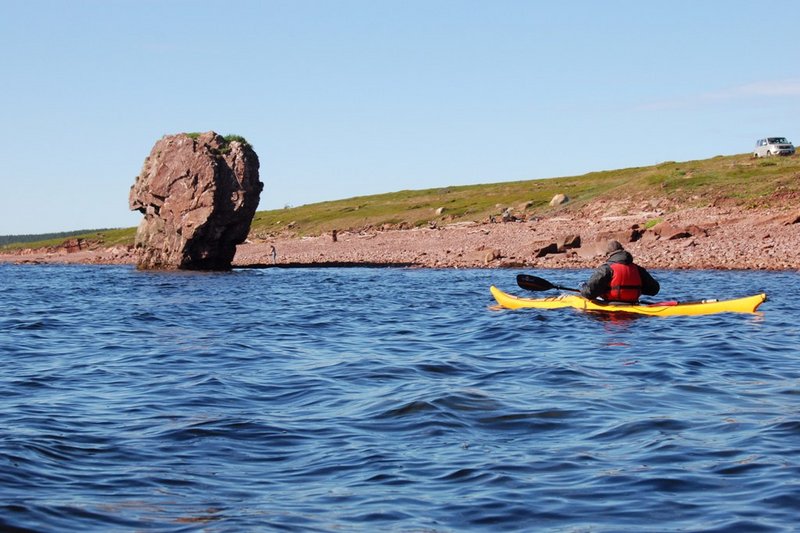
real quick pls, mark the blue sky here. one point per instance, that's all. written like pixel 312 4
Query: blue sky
pixel 343 98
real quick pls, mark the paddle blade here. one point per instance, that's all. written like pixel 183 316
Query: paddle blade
pixel 533 283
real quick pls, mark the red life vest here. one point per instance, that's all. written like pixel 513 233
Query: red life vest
pixel 626 283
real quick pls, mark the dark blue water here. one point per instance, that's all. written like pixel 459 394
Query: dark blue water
pixel 389 400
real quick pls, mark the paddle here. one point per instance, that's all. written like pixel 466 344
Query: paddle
pixel 534 283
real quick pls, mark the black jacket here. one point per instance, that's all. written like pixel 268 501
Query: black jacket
pixel 600 280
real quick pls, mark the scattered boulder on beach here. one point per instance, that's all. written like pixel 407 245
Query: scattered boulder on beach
pixel 632 234
pixel 481 256
pixel 198 194
pixel 541 249
pixel 568 242
pixel 508 215
pixel 559 199
pixel 592 249
pixel 668 232
pixel 792 219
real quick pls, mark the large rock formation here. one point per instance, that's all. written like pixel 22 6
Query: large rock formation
pixel 198 194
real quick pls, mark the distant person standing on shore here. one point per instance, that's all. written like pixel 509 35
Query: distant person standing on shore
pixel 619 279
pixel 273 253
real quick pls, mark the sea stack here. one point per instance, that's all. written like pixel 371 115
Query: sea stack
pixel 198 194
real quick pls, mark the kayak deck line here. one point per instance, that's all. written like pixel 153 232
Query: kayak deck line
pixel 747 304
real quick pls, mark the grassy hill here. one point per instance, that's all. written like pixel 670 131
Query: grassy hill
pixel 104 237
pixel 735 180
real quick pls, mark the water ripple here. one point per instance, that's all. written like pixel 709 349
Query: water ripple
pixel 397 400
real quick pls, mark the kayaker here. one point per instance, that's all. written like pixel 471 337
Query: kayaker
pixel 619 279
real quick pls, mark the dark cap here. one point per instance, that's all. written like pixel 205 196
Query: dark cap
pixel 613 246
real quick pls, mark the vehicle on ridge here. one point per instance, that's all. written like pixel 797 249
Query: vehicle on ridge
pixel 769 146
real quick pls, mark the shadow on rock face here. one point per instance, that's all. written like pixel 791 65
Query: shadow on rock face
pixel 198 194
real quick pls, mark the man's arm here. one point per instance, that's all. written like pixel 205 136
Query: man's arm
pixel 650 286
pixel 598 283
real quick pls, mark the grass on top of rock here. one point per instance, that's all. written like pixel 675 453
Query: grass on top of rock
pixel 228 139
pixel 235 138
pixel 736 180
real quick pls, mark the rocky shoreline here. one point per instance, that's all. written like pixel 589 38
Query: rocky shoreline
pixel 703 238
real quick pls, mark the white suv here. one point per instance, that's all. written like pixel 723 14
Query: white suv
pixel 773 146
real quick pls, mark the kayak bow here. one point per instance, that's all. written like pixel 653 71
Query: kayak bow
pixel 748 304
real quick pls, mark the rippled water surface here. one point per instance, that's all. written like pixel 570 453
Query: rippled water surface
pixel 389 400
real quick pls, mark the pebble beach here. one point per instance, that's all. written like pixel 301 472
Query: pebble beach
pixel 698 238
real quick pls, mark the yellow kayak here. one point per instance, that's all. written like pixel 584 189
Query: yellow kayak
pixel 748 304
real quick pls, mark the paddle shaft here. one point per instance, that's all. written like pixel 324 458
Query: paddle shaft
pixel 535 283
pixel 559 287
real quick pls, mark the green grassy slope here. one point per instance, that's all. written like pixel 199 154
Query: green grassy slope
pixel 738 180
pixel 105 237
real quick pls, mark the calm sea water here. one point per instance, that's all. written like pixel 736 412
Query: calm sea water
pixel 389 400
